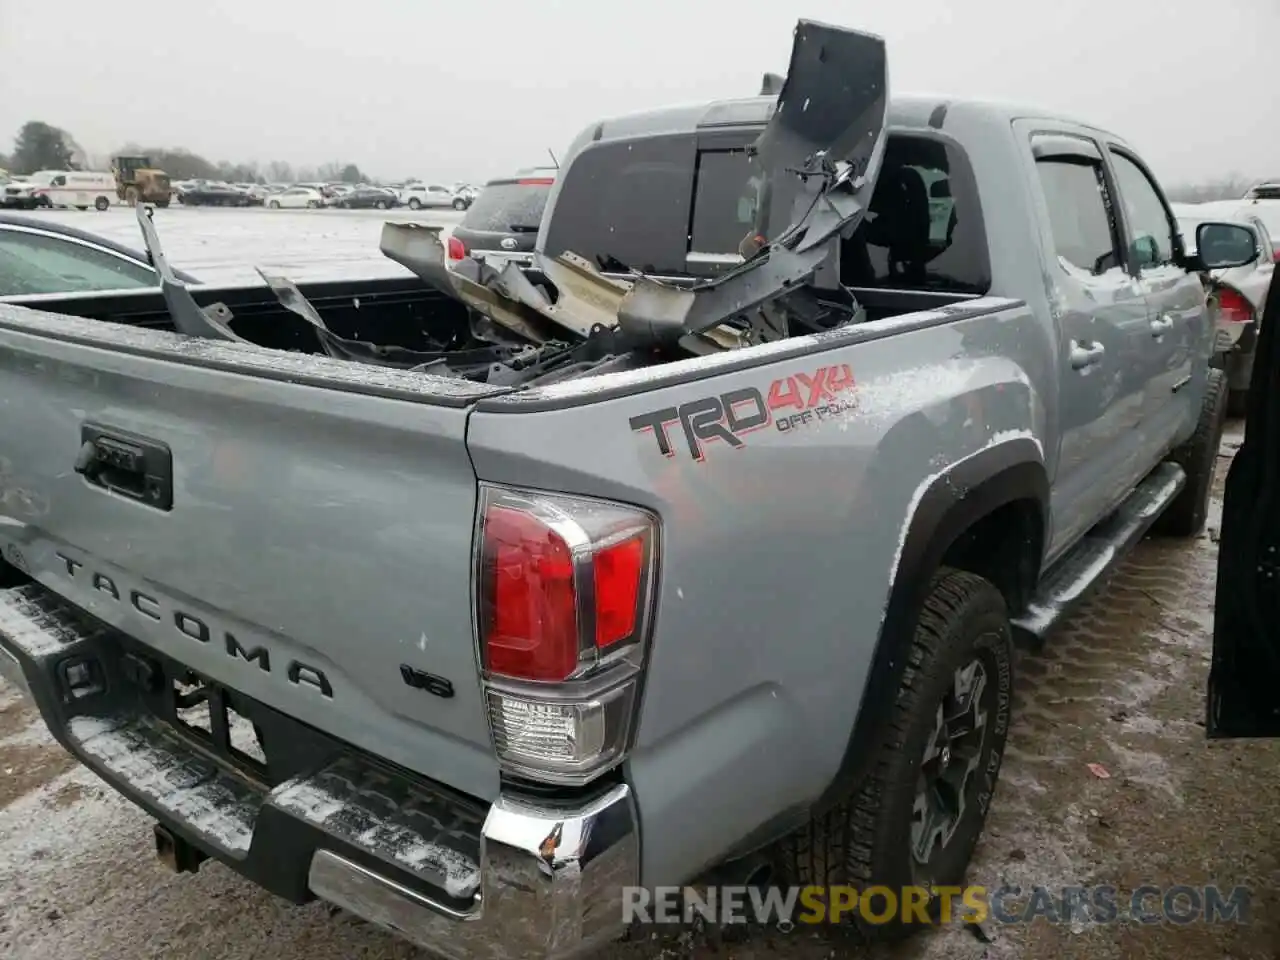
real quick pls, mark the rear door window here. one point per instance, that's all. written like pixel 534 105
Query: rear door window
pixel 924 228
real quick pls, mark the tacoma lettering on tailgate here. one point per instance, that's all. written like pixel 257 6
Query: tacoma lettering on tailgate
pixel 790 403
pixel 143 604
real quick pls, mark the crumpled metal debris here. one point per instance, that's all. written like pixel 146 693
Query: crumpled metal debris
pixel 820 154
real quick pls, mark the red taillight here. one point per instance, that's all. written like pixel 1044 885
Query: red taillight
pixel 532 628
pixel 536 181
pixel 1276 256
pixel 619 573
pixel 1233 307
pixel 562 583
pixel 455 248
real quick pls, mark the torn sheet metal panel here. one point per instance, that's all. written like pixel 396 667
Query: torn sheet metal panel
pixel 820 154
pixel 417 247
pixel 585 298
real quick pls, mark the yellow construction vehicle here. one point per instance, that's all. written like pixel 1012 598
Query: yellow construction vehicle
pixel 139 182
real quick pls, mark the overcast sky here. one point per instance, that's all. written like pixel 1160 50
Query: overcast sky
pixel 464 90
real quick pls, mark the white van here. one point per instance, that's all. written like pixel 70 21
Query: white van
pixel 81 189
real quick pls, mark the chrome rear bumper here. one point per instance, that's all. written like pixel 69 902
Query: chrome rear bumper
pixel 520 878
pixel 550 884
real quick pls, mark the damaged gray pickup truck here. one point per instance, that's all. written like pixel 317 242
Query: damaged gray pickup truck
pixel 701 545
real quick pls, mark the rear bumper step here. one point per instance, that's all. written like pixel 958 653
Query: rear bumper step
pixel 522 878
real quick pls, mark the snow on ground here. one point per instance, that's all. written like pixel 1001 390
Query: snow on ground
pixel 220 246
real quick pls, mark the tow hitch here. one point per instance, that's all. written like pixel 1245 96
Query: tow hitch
pixel 176 854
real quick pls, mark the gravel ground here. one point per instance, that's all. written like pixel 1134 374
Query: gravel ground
pixel 1120 685
pixel 220 246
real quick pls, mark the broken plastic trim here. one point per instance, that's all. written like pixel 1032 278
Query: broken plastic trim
pixel 189 318
pixel 821 152
pixel 212 322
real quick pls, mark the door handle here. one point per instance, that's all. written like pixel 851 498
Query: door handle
pixel 1161 325
pixel 1086 353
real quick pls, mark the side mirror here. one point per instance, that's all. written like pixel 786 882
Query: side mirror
pixel 1220 246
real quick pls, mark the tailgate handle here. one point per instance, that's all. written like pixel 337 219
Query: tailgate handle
pixel 127 464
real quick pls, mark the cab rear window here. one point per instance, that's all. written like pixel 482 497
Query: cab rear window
pixel 625 204
pixel 660 205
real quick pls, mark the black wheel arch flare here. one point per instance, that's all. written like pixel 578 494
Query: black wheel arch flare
pixel 953 504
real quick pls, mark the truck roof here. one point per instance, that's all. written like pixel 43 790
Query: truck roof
pixel 910 110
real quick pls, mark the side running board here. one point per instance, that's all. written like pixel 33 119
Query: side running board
pixel 1092 561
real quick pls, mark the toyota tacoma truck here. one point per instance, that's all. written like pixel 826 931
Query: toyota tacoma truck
pixel 701 545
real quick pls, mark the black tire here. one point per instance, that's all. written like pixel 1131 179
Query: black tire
pixel 85 207
pixel 163 204
pixel 101 204
pixel 1185 517
pixel 867 839
pixel 273 205
pixel 459 204
pixel 312 204
pixel 415 203
pixel 380 205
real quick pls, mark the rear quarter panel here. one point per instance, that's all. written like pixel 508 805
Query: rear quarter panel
pixel 778 553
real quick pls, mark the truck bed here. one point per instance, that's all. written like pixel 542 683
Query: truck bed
pixel 390 311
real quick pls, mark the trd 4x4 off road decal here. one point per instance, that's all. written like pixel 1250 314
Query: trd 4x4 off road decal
pixel 791 403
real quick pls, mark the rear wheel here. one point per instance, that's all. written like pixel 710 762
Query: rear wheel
pixel 1198 457
pixel 102 203
pixel 459 204
pixel 916 818
pixel 311 204
pixel 415 203
pixel 163 204
pixel 380 205
pixel 131 196
pixel 274 205
pixel 79 207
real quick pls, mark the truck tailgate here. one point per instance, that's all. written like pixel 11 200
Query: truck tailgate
pixel 318 544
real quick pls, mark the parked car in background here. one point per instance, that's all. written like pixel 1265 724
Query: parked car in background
pixel 254 193
pixel 467 192
pixel 502 223
pixel 365 197
pixel 1239 295
pixel 38 257
pixel 1263 201
pixel 21 194
pixel 296 198
pixel 419 195
pixel 211 194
